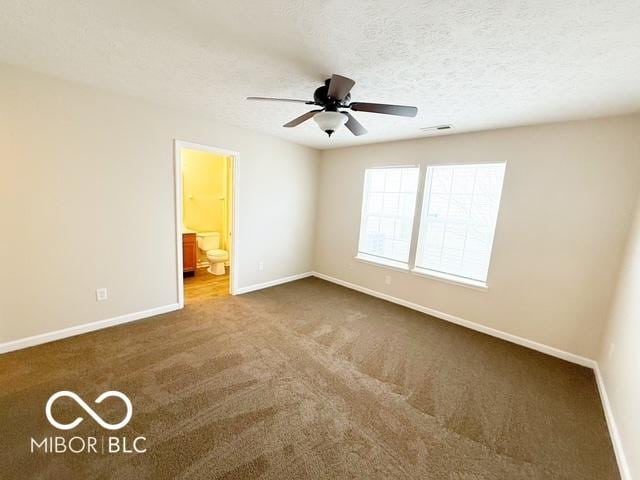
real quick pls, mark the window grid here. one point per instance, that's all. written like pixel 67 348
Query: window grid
pixel 455 259
pixel 449 209
pixel 388 212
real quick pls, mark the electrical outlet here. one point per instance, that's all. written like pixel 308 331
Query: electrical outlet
pixel 261 266
pixel 101 294
pixel 387 279
pixel 612 348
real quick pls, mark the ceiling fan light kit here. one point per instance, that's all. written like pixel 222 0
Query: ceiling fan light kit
pixel 329 122
pixel 334 97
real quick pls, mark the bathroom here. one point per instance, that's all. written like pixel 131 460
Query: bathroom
pixel 206 220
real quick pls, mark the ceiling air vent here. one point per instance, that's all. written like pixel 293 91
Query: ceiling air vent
pixel 436 128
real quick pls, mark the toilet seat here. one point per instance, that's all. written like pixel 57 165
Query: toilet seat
pixel 217 258
pixel 217 254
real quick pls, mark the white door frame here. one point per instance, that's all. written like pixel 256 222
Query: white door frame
pixel 233 250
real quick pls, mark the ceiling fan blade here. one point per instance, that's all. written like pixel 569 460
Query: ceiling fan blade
pixel 354 125
pixel 400 110
pixel 339 87
pixel 301 118
pixel 270 99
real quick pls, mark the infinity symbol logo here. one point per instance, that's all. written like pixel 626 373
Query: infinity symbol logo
pixel 89 410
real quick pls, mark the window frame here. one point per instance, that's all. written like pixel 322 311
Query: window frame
pixel 379 260
pixel 410 266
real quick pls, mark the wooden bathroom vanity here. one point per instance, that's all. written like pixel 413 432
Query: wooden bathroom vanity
pixel 189 253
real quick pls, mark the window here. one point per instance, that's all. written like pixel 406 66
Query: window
pixel 388 209
pixel 458 220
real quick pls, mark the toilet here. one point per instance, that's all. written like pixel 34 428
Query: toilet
pixel 209 243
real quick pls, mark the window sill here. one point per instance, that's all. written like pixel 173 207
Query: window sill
pixel 444 277
pixel 422 272
pixel 381 262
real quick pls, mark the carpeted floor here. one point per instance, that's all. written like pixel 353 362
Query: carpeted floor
pixel 307 380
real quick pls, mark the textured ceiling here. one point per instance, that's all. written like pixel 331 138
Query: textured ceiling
pixel 474 64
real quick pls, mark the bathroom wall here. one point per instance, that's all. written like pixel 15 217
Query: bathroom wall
pixel 228 223
pixel 87 200
pixel 205 193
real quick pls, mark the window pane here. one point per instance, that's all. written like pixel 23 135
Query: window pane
pixel 459 218
pixel 387 212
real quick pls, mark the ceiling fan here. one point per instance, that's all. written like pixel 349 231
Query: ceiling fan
pixel 333 97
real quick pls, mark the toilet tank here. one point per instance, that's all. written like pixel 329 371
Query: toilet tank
pixel 208 240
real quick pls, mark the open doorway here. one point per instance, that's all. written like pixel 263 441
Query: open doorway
pixel 206 221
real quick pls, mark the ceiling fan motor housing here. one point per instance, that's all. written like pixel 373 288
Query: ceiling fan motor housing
pixel 321 97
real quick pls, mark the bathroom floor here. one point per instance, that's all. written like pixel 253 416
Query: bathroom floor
pixel 204 286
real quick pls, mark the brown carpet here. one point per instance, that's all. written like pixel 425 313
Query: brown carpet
pixel 307 380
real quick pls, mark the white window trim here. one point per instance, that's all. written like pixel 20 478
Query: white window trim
pixel 382 262
pixel 452 279
pixel 410 266
pixel 422 272
pixel 402 165
pixel 388 262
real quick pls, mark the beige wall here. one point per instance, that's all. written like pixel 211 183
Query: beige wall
pixel 568 198
pixel 87 201
pixel 620 355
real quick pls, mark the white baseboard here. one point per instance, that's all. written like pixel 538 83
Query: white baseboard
pixel 570 357
pixel 623 465
pixel 110 322
pixel 586 362
pixel 84 328
pixel 89 327
pixel 272 283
